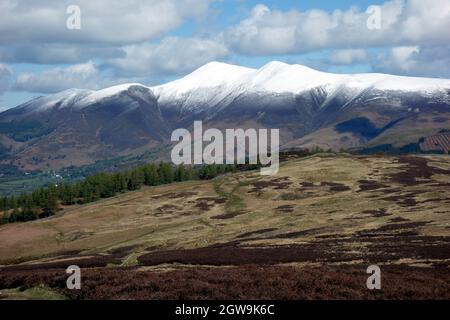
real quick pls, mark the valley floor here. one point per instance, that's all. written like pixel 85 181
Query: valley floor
pixel 309 232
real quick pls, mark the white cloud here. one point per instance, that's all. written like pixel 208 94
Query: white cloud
pixel 171 56
pixel 430 61
pixel 348 56
pixel 403 57
pixel 102 21
pixel 264 32
pixel 425 21
pixel 34 31
pixel 403 23
pixel 83 76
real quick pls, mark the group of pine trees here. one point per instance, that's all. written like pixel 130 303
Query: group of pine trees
pixel 45 202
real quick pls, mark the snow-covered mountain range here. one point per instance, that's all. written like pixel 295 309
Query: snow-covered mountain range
pixel 218 83
pixel 310 107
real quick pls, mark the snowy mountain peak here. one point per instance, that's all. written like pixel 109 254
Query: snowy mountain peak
pixel 277 67
pixel 273 65
pixel 212 74
pixel 218 83
pixel 219 66
pixel 275 76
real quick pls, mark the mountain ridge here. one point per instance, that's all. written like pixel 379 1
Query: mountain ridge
pixel 267 73
pixel 79 126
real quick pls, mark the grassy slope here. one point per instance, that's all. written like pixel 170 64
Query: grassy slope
pixel 308 232
pixel 199 214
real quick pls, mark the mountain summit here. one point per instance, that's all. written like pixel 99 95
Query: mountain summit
pixel 310 107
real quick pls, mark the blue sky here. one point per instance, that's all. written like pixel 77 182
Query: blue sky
pixel 157 41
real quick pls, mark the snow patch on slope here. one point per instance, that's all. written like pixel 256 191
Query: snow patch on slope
pixel 63 99
pixel 412 84
pixel 278 77
pixel 99 95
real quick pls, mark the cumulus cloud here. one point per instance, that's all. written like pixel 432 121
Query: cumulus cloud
pixel 432 61
pixel 403 23
pixel 102 21
pixel 348 56
pixel 83 76
pixel 401 58
pixel 36 32
pixel 172 55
